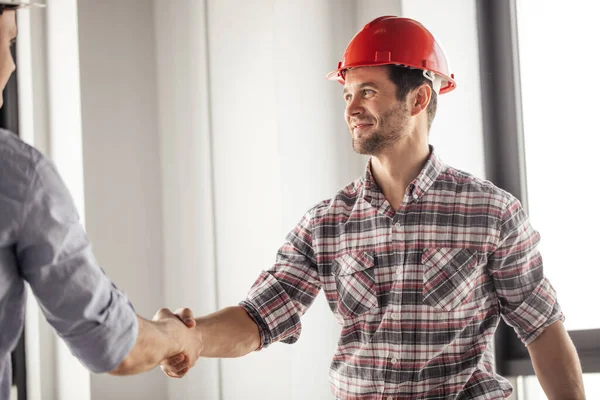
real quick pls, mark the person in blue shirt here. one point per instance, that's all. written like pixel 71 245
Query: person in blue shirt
pixel 43 243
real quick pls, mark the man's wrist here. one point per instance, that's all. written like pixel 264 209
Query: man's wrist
pixel 199 331
pixel 166 340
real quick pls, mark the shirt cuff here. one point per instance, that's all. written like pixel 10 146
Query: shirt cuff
pixel 536 313
pixel 556 316
pixel 274 311
pixel 263 329
pixel 104 347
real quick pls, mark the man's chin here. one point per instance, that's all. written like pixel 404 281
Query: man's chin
pixel 360 148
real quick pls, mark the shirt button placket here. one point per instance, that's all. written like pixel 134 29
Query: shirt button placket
pixel 395 315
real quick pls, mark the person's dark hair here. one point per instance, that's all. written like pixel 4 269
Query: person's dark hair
pixel 6 7
pixel 407 79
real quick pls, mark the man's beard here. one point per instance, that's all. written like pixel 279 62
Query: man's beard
pixel 392 129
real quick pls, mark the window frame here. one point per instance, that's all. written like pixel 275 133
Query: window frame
pixel 505 166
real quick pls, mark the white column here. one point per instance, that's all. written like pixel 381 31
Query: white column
pixel 65 149
pixel 122 165
pixel 184 120
pixel 246 159
pixel 31 76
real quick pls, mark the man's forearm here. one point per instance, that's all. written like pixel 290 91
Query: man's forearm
pixel 229 332
pixel 151 347
pixel 556 364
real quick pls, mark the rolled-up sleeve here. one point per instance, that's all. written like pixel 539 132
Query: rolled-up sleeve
pixel 281 295
pixel 93 317
pixel 528 301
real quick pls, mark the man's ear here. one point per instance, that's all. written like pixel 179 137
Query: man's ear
pixel 420 99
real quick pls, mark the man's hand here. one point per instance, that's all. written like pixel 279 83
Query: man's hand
pixel 229 332
pixel 166 336
pixel 187 346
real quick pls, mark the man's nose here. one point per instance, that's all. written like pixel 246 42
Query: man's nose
pixel 353 107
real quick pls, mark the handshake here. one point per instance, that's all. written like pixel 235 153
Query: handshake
pixel 183 342
pixel 175 341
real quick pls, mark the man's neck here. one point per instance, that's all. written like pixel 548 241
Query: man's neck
pixel 395 169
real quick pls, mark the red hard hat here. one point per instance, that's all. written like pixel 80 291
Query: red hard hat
pixel 396 41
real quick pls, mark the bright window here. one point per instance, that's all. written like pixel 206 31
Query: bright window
pixel 559 59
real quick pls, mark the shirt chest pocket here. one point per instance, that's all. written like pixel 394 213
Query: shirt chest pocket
pixel 355 283
pixel 449 277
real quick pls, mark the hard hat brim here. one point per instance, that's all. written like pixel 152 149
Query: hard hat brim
pixel 338 75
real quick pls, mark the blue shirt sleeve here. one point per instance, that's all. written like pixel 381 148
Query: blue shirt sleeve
pixel 86 309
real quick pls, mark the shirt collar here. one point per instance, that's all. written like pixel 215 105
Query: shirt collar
pixel 417 188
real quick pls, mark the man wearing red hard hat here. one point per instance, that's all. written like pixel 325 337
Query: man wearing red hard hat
pixel 418 260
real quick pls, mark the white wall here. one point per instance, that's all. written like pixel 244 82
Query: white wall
pixel 208 130
pixel 187 170
pixel 122 165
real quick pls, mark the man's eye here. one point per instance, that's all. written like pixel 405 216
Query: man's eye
pixel 368 92
pixel 347 97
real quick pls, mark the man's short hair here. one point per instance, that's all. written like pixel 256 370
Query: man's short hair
pixel 6 7
pixel 407 79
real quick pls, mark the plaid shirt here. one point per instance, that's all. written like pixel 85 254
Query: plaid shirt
pixel 419 291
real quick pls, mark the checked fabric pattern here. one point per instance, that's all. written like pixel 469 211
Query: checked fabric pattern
pixel 418 291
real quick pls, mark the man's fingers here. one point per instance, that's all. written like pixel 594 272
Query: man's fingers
pixel 176 363
pixel 187 316
pixel 184 314
pixel 190 323
pixel 181 373
pixel 184 365
pixel 176 359
pixel 174 374
pixel 162 313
